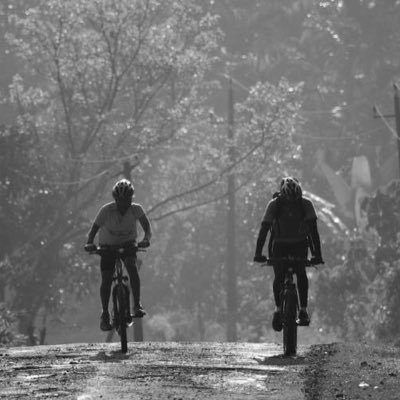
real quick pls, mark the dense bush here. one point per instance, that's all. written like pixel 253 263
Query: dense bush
pixel 8 330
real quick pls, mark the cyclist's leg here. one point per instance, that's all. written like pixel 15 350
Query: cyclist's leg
pixel 302 283
pixel 131 267
pixel 278 283
pixel 300 250
pixel 107 266
pixel 279 278
pixel 279 275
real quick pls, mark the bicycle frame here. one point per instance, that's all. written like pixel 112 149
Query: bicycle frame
pixel 289 283
pixel 119 273
pixel 120 293
pixel 121 302
pixel 289 301
pixel 289 309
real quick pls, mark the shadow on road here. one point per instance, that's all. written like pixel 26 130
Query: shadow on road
pixel 112 356
pixel 281 360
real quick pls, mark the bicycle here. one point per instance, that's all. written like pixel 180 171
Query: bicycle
pixel 121 317
pixel 289 301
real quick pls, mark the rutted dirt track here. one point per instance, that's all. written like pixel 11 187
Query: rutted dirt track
pixel 150 371
pixel 198 371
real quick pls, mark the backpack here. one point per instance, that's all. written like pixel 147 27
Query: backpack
pixel 295 221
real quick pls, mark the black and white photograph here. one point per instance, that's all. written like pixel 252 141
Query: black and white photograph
pixel 200 199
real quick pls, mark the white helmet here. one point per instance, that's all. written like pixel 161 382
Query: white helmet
pixel 123 189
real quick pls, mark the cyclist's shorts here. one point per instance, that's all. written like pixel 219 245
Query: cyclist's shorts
pixel 107 260
pixel 299 249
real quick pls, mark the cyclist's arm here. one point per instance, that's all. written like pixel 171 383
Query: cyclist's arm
pixel 269 215
pixel 145 223
pixel 92 233
pixel 262 236
pixel 314 234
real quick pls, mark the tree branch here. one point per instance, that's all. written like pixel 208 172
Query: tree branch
pixel 224 171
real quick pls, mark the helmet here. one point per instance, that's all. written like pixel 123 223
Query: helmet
pixel 290 188
pixel 123 189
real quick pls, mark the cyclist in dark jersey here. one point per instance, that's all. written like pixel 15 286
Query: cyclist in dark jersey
pixel 292 221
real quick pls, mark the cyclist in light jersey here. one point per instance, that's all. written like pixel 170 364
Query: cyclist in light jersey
pixel 116 223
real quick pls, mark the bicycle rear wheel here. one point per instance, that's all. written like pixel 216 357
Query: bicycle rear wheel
pixel 289 323
pixel 120 318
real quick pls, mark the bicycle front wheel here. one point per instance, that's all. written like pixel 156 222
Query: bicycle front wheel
pixel 121 316
pixel 290 323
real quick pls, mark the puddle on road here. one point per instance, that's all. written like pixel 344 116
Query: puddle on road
pixel 35 377
pixel 256 381
pixel 239 381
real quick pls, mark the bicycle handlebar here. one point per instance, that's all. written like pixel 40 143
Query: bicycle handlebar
pixel 275 260
pixel 115 249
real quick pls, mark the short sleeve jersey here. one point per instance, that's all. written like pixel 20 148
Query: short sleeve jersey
pixel 116 228
pixel 288 219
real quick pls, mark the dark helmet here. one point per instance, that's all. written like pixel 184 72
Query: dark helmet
pixel 123 189
pixel 290 188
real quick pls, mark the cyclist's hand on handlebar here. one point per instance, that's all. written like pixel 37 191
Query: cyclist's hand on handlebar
pixel 258 258
pixel 144 243
pixel 89 247
pixel 316 260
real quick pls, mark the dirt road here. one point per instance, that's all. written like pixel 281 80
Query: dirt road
pixel 151 371
pixel 199 371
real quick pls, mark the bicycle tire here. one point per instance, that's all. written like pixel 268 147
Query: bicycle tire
pixel 290 323
pixel 121 317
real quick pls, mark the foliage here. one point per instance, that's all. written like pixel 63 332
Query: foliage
pixel 263 140
pixel 349 68
pixel 361 295
pixel 341 300
pixel 345 65
pixel 104 81
pixel 9 335
pixel 189 267
pixel 383 210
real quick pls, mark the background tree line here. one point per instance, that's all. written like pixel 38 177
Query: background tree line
pixel 89 87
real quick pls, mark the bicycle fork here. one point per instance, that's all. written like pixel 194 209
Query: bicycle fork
pixel 288 291
pixel 125 288
pixel 122 283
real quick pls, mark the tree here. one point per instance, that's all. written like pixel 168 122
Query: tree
pixel 383 210
pixel 190 261
pixel 104 81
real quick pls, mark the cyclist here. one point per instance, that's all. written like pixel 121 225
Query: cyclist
pixel 292 220
pixel 116 223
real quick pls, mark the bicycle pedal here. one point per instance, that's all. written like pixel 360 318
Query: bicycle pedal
pixel 303 323
pixel 129 321
pixel 139 314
